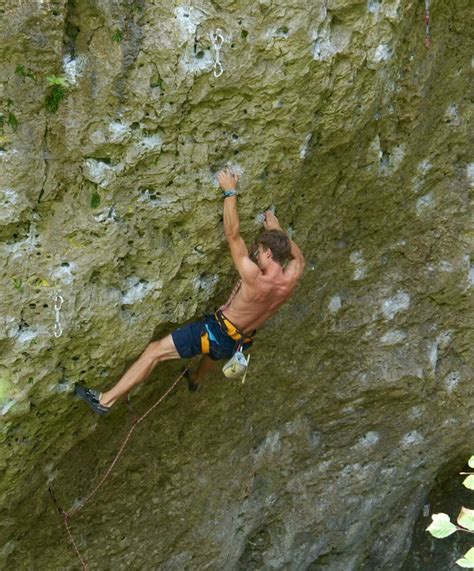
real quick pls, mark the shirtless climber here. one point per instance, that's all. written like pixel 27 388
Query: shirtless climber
pixel 266 282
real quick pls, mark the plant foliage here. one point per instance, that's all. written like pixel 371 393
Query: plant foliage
pixel 441 525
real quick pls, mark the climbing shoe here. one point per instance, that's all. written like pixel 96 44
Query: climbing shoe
pixel 192 386
pixel 92 398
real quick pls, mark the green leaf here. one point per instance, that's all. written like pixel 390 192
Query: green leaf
pixel 57 80
pixel 20 70
pixel 95 200
pixel 466 518
pixel 469 482
pixel 54 97
pixel 468 560
pixel 12 121
pixel 117 36
pixel 441 526
pixel 470 462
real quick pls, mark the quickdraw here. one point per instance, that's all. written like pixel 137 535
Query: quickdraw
pixel 217 40
pixel 427 25
pixel 58 303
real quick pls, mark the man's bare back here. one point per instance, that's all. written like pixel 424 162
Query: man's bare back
pixel 251 305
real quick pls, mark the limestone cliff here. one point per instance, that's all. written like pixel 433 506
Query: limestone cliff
pixel 112 128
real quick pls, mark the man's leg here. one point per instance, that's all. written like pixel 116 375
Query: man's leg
pixel 156 351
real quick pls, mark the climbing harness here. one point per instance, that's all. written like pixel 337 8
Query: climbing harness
pixel 67 515
pixel 58 303
pixel 217 40
pixel 237 365
pixel 427 25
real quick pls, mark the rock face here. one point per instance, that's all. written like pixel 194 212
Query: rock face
pixel 359 389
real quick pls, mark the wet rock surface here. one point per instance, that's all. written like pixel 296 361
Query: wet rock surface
pixel 359 392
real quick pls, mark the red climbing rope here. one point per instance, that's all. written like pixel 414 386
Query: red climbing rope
pixel 73 511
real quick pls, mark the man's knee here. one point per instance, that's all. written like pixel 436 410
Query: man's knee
pixel 154 351
pixel 162 350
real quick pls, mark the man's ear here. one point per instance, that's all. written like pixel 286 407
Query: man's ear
pixel 269 253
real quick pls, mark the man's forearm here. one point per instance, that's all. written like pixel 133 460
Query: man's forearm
pixel 231 217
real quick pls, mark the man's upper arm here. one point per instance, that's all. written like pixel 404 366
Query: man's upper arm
pixel 295 266
pixel 247 269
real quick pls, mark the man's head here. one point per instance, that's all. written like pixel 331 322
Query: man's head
pixel 276 244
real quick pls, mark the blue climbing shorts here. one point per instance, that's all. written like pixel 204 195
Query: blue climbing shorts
pixel 214 335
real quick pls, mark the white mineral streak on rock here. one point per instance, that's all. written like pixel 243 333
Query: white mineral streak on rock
pixel 204 63
pixel 422 169
pixel 452 115
pixel 135 290
pixel 323 49
pixel 119 132
pixel 100 172
pixel 470 276
pixel 369 439
pixel 424 166
pixel 98 137
pixel 11 205
pixel 51 472
pixel 188 19
pixel 470 174
pixel 375 152
pixel 64 274
pixel 7 406
pixel 416 412
pixel 452 380
pixel 27 335
pixel 446 266
pixel 433 355
pixel 206 283
pixel 329 41
pixel 393 337
pixel 305 146
pixel 374 6
pixel 335 304
pixel 397 154
pixel 444 338
pixel 424 203
pixel 10 326
pixel 395 304
pixel 142 148
pixel 63 387
pixel 151 143
pixel 271 445
pixel 412 438
pixel 382 53
pixel 74 68
pixel 109 215
pixel 358 260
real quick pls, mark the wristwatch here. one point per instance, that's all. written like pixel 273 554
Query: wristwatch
pixel 228 193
